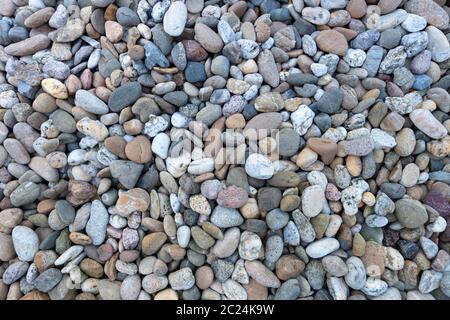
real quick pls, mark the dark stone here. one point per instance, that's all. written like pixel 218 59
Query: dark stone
pixel 331 101
pixel 268 198
pixel 408 249
pixel 437 201
pixel 304 27
pixel 394 191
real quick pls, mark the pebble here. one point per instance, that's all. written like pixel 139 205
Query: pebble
pixel 28 46
pixel 322 247
pixel 97 223
pixel 124 96
pixel 209 40
pixel 431 11
pixel 90 102
pixel 48 279
pixel 356 275
pixel 332 41
pixel 259 166
pixel 424 120
pixel 313 200
pixel 410 213
pixel 226 217
pixel 302 119
pixel 182 279
pixel 175 19
pixel 26 243
pixel 262 274
pixel 249 246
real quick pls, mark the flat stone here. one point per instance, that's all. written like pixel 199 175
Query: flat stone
pixel 262 274
pixel 90 102
pixel 322 247
pixel 48 279
pixel 133 200
pixel 28 46
pixel 97 223
pixel 124 96
pixel 359 147
pixel 24 194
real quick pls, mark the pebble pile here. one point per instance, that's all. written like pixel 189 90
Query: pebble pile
pixel 229 149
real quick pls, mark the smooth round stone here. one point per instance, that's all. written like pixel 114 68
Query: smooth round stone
pixel 65 211
pixel 209 39
pixel 438 44
pixel 90 102
pixel 26 242
pixel 232 197
pixel 356 276
pixel 414 23
pixel 153 283
pixel 259 166
pixel 127 17
pixel 48 279
pixel 124 95
pixel 221 66
pixel 376 221
pixel 374 287
pixel 421 63
pixel 390 38
pixel 227 246
pixel 16 150
pixel 175 19
pixel 277 219
pixel 322 247
pixel 410 213
pixel 97 223
pixel 195 72
pixel 195 6
pixel 160 145
pixel 226 217
pixel 28 46
pixel 313 200
pixel 14 272
pixel 139 150
pixel 18 33
pixel 42 168
pixel 6 247
pixel 410 175
pixel 210 188
pixel 268 198
pixel 63 121
pixel 430 10
pixel 406 142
